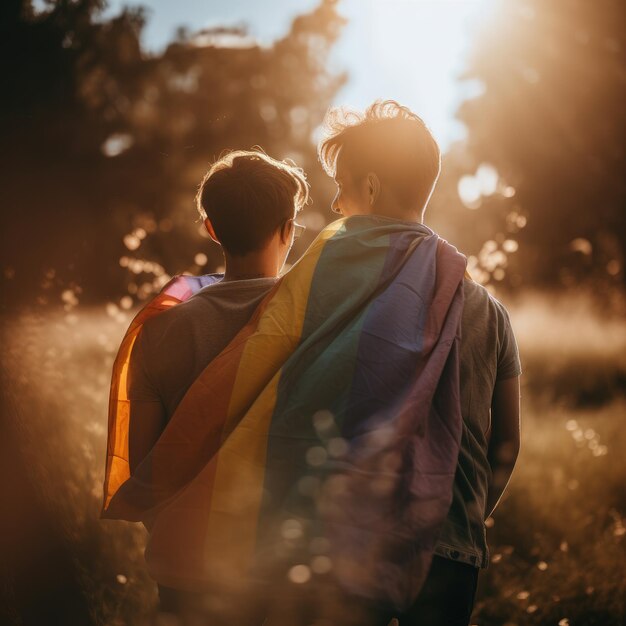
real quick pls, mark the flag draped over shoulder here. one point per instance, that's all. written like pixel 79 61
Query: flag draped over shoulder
pixel 332 419
pixel 174 292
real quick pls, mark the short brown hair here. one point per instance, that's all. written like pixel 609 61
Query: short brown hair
pixel 247 195
pixel 389 140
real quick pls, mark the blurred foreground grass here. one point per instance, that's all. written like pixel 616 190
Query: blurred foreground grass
pixel 558 540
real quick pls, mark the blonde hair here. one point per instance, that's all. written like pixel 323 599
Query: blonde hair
pixel 388 139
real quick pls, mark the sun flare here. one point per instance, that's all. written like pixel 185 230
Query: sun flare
pixel 418 48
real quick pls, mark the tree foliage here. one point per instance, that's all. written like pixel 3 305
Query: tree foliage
pixel 552 121
pixel 104 138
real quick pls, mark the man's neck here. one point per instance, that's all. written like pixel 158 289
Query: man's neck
pixel 391 208
pixel 403 216
pixel 252 265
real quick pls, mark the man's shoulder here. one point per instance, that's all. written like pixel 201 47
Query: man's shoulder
pixel 172 318
pixel 476 296
pixel 481 306
pixel 220 298
pixel 476 293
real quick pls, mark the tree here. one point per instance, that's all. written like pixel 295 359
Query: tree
pixel 552 121
pixel 108 144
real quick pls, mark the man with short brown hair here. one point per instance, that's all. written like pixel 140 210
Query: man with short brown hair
pixel 249 202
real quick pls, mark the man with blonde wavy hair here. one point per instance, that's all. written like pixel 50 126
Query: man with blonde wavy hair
pixel 385 164
pixel 248 201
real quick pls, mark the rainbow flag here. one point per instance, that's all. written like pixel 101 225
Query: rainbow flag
pixel 332 419
pixel 174 292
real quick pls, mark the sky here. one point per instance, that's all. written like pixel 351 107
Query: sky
pixel 408 50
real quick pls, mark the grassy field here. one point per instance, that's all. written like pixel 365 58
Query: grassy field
pixel 558 540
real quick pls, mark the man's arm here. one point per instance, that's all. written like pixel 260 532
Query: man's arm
pixel 504 443
pixel 147 421
pixel 147 414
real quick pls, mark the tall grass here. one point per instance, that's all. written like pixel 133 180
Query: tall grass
pixel 56 370
pixel 557 542
pixel 573 352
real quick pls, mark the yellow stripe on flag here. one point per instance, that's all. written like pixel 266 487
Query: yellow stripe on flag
pixel 240 473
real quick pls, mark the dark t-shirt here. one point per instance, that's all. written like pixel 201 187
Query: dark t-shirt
pixel 488 353
pixel 174 347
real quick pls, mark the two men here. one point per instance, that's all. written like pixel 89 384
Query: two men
pixel 249 455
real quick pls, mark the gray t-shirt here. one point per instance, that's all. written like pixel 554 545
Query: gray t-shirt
pixel 174 347
pixel 488 353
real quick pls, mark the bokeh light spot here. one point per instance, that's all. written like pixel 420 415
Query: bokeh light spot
pixel 469 191
pixel 316 456
pixel 487 179
pixel 299 574
pixel 117 144
pixel 321 564
pixel 291 529
pixel 323 421
pixel 132 242
pixel 126 302
pixel 200 259
pixel 510 246
pixel 581 245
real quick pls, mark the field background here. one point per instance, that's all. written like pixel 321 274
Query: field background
pixel 557 541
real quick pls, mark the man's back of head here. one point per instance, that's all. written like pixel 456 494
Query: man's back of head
pixel 385 161
pixel 247 196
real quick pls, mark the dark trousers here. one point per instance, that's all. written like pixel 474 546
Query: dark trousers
pixel 446 599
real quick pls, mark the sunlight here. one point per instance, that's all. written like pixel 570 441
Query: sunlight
pixel 420 47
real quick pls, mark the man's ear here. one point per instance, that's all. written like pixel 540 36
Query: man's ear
pixel 211 231
pixel 373 187
pixel 285 231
